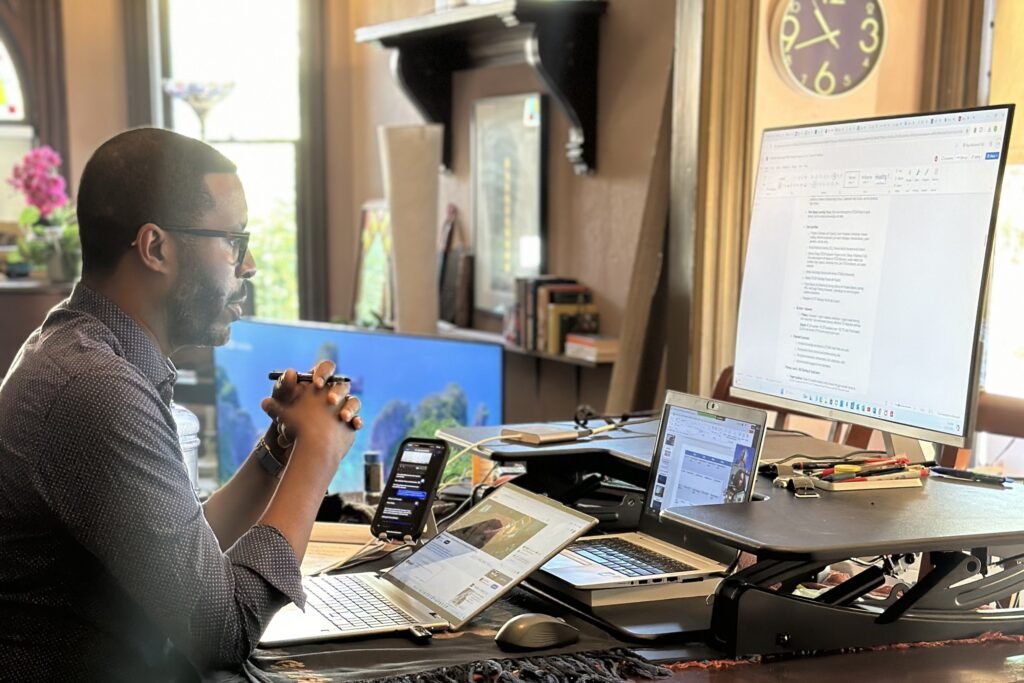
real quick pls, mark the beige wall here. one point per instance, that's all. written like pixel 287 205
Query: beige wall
pixel 95 71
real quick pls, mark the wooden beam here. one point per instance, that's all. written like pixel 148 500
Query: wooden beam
pixel 630 372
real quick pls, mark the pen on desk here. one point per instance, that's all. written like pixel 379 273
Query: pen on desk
pixel 308 377
pixel 906 474
pixel 971 476
pixel 863 475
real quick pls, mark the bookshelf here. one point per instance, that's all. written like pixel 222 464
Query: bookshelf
pixel 448 330
pixel 558 39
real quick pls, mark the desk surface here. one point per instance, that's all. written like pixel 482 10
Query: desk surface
pixel 941 515
pixel 634 444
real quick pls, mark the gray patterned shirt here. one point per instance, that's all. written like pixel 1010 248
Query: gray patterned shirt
pixel 105 554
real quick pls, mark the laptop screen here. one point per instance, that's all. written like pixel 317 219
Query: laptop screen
pixel 487 551
pixel 704 458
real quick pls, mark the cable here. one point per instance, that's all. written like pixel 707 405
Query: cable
pixel 1003 452
pixel 469 499
pixel 358 561
pixel 781 432
pixel 471 447
pixel 829 458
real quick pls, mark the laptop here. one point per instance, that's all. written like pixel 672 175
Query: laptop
pixel 706 453
pixel 444 584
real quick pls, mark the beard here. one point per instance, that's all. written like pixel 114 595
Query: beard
pixel 197 306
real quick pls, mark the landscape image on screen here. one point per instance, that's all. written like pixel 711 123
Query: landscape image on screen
pixel 409 386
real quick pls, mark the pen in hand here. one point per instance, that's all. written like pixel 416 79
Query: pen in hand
pixel 308 377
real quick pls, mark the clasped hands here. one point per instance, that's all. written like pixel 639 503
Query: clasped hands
pixel 312 409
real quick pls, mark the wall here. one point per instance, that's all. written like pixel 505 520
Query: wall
pixel 593 222
pixel 95 71
pixel 894 88
pixel 359 95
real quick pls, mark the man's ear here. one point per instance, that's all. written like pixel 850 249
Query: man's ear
pixel 154 249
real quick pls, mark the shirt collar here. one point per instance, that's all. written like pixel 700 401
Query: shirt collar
pixel 137 347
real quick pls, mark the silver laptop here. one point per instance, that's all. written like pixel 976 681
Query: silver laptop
pixel 706 453
pixel 444 584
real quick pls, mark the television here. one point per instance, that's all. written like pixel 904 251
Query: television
pixel 408 386
pixel 866 270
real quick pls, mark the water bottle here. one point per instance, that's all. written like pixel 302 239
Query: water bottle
pixel 373 476
pixel 188 438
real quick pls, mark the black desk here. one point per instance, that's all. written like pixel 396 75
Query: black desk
pixel 954 522
pixel 633 445
pixel 941 515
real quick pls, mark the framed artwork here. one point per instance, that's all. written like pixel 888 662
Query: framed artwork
pixel 509 185
pixel 375 280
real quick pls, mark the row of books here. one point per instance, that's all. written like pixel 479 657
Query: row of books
pixel 547 309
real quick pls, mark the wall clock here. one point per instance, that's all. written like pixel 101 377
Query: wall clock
pixel 827 47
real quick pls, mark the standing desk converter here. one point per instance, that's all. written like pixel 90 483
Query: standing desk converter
pixel 577 473
pixel 793 538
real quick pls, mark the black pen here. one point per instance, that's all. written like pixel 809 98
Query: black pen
pixel 308 377
pixel 971 476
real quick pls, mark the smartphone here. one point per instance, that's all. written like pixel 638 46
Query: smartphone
pixel 409 492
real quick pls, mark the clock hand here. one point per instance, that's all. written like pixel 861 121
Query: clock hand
pixel 830 36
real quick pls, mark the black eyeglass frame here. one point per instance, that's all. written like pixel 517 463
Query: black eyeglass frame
pixel 241 235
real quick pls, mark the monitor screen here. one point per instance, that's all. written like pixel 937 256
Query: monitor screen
pixel 703 459
pixel 408 386
pixel 866 267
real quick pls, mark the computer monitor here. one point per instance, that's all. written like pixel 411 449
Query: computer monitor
pixel 866 270
pixel 408 386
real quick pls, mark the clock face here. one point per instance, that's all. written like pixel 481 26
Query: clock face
pixel 828 47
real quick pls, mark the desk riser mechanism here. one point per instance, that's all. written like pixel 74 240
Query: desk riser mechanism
pixel 750 618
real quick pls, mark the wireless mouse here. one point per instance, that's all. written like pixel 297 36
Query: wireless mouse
pixel 536 631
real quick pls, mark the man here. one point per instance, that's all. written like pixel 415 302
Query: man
pixel 110 569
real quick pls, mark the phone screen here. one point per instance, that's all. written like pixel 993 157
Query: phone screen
pixel 409 493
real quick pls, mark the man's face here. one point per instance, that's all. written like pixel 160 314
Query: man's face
pixel 208 292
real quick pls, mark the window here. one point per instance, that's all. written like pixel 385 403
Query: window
pixel 238 61
pixel 1003 366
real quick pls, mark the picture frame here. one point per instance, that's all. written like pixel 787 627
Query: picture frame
pixel 509 195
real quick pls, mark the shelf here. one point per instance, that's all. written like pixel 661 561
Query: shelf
pixel 557 38
pixel 448 330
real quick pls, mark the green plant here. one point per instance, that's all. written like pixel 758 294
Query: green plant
pixel 275 250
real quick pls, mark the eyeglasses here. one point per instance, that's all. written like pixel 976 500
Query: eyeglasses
pixel 238 239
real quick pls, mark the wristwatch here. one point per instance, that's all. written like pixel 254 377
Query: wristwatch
pixel 272 465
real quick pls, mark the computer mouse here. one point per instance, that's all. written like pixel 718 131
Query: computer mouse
pixel 536 631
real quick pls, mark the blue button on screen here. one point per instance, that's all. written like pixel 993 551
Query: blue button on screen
pixel 406 493
pixel 991 155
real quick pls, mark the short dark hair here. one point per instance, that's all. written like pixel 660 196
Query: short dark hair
pixel 144 175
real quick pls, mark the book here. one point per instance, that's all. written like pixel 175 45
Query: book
pixel 591 347
pixel 533 284
pixel 597 341
pixel 557 294
pixel 867 485
pixel 566 318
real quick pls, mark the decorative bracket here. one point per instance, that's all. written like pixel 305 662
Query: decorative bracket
pixel 559 39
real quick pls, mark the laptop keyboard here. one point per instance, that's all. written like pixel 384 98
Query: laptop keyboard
pixel 627 558
pixel 350 604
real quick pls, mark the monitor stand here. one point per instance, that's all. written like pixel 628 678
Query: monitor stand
pixel 779 445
